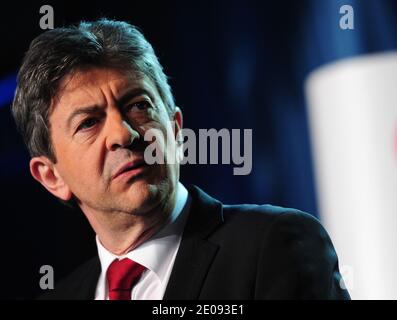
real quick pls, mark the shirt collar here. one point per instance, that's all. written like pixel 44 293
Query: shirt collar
pixel 156 253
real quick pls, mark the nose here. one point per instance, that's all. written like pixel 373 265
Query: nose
pixel 120 133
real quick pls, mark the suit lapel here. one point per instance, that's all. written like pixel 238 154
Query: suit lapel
pixel 91 280
pixel 195 253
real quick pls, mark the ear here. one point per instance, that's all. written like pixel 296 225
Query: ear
pixel 178 118
pixel 44 171
pixel 178 123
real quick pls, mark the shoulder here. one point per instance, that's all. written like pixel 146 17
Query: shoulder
pixel 296 257
pixel 286 221
pixel 287 231
pixel 252 222
pixel 292 254
pixel 273 230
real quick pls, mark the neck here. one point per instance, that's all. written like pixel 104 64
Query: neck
pixel 121 232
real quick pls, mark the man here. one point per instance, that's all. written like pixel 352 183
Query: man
pixel 86 98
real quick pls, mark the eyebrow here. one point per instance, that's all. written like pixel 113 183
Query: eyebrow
pixel 83 110
pixel 130 94
pixel 127 96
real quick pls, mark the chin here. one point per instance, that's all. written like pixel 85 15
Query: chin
pixel 143 197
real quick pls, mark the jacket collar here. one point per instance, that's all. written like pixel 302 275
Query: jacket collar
pixel 195 253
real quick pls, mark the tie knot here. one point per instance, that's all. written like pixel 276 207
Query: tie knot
pixel 122 276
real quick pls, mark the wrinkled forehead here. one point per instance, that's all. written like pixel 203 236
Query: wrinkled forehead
pixel 88 85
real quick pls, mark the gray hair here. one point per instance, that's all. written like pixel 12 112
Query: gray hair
pixel 59 52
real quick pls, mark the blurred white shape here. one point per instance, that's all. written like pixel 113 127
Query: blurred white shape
pixel 352 107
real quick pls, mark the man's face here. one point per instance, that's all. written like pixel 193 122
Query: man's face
pixel 97 124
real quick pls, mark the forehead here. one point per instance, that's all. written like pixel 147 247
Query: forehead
pixel 94 84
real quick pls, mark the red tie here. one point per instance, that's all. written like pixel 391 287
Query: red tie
pixel 122 276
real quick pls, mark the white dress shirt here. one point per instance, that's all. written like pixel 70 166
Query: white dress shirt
pixel 156 254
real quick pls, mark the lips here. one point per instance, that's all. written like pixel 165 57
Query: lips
pixel 130 167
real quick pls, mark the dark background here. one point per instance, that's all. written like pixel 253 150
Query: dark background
pixel 233 64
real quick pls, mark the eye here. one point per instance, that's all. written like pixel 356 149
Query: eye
pixel 87 124
pixel 141 105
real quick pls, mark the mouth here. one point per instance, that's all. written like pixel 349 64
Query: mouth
pixel 130 169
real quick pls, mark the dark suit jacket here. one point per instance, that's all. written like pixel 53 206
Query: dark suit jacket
pixel 238 252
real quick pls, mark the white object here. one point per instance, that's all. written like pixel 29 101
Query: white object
pixel 352 106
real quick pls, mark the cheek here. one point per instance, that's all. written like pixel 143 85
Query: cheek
pixel 163 123
pixel 80 167
pixel 160 123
